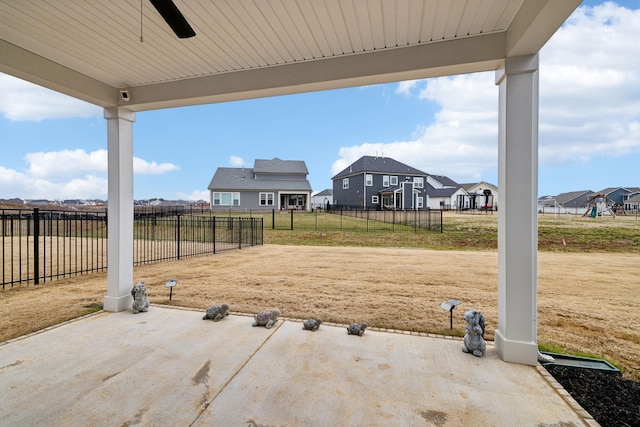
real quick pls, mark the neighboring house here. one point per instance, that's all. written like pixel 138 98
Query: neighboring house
pixel 270 184
pixel 380 183
pixel 573 202
pixel 321 199
pixel 481 195
pixel 546 201
pixel 618 195
pixel 632 192
pixel 632 204
pixel 443 192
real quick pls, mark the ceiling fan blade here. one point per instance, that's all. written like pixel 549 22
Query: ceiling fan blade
pixel 172 15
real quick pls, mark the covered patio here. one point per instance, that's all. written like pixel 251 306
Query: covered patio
pixel 168 367
pixel 123 56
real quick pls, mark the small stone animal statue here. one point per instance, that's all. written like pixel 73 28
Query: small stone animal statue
pixel 140 300
pixel 216 312
pixel 311 324
pixel 356 329
pixel 266 318
pixel 474 342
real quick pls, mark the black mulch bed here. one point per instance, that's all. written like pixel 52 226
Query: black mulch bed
pixel 610 399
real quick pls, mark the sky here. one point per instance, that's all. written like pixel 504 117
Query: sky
pixel 54 147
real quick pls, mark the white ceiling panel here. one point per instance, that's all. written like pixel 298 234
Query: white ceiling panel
pixel 101 41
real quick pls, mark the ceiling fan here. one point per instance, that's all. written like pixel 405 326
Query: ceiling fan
pixel 172 15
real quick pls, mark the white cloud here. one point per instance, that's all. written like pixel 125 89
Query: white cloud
pixel 49 175
pixel 589 103
pixel 406 87
pixel 24 101
pixel 195 195
pixel 236 161
pixel 24 185
pixel 461 143
pixel 65 164
pixel 590 87
pixel 143 167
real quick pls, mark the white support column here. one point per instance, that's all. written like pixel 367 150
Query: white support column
pixel 120 209
pixel 515 338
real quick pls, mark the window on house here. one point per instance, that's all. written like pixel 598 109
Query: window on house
pixel 226 199
pixel 345 183
pixel 385 180
pixel 374 200
pixel 266 199
pixel 420 202
pixel 418 182
pixel 368 178
pixel 394 180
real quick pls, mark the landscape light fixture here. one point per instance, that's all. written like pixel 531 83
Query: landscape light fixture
pixel 171 283
pixel 449 306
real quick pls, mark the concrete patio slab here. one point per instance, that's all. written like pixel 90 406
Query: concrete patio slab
pixel 168 367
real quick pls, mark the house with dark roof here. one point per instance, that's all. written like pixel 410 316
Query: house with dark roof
pixel 619 195
pixel 270 184
pixel 573 202
pixel 443 192
pixel 616 194
pixel 380 183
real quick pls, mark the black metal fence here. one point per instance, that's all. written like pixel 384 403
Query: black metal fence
pixel 44 245
pixel 356 220
pixel 396 220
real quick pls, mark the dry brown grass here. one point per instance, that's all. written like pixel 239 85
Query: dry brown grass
pixel 586 302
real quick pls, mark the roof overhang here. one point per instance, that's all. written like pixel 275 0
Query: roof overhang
pixel 92 50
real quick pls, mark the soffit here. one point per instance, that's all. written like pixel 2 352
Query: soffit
pixel 248 48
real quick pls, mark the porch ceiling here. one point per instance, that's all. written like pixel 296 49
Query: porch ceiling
pixel 245 49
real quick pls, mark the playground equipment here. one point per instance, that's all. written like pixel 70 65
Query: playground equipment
pixel 599 204
pixel 476 201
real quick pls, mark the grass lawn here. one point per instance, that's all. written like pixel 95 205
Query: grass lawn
pixel 587 290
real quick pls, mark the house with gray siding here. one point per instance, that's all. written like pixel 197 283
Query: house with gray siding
pixel 632 203
pixel 615 194
pixel 270 184
pixel 380 183
pixel 619 195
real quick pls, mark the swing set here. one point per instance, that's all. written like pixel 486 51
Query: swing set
pixel 599 204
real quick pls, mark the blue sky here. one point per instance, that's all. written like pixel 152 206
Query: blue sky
pixel 54 147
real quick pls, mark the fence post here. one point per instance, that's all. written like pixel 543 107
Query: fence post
pixel 239 233
pixel 273 219
pixel 393 221
pixel 36 246
pixel 178 233
pixel 291 219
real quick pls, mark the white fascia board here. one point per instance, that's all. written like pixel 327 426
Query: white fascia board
pixel 535 23
pixel 26 65
pixel 457 56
